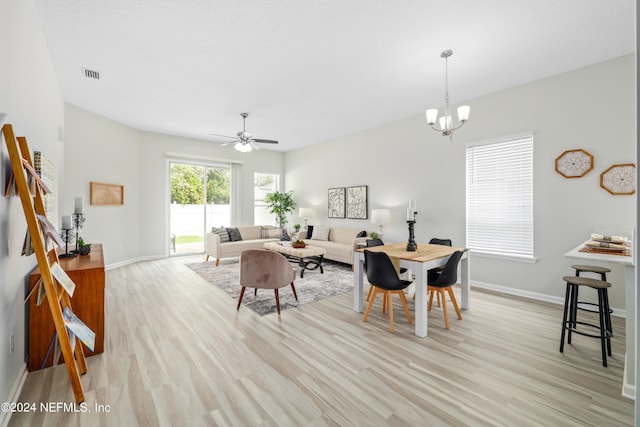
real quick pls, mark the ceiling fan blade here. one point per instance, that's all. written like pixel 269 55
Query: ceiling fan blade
pixel 265 141
pixel 224 136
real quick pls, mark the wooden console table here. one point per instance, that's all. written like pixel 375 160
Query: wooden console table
pixel 87 272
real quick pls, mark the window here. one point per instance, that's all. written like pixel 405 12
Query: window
pixel 263 184
pixel 500 196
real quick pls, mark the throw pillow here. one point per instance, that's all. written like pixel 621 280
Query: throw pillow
pixel 222 232
pixel 309 231
pixel 320 232
pixel 363 233
pixel 234 234
pixel 266 231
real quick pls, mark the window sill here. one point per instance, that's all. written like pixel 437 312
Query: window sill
pixel 495 255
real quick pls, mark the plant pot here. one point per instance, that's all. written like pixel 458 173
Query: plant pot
pixel 84 250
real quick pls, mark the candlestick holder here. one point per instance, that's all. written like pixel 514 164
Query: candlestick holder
pixel 78 221
pixel 412 246
pixel 67 235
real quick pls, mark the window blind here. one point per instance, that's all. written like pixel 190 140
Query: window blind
pixel 499 196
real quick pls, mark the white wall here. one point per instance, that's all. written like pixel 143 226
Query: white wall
pixel 593 108
pixel 99 149
pixel 30 96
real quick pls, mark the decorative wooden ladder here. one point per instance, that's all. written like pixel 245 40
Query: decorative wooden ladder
pixel 57 296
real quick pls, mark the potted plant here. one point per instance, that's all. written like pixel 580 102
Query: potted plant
pixel 296 227
pixel 280 204
pixel 374 235
pixel 83 248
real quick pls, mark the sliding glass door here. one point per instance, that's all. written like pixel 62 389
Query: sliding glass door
pixel 200 197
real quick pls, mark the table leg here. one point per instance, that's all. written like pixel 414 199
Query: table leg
pixel 421 301
pixel 464 282
pixel 358 268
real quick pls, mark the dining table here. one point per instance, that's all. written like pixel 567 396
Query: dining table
pixel 424 258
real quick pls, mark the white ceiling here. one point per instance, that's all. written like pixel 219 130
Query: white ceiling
pixel 310 70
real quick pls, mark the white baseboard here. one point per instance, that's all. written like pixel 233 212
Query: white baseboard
pixel 133 261
pixel 14 395
pixel 532 295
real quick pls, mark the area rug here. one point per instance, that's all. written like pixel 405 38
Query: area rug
pixel 337 279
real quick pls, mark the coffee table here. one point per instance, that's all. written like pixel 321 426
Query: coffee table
pixel 308 258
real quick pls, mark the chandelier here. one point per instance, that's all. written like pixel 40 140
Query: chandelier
pixel 446 121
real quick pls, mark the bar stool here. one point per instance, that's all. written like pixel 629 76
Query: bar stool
pixel 602 271
pixel 570 311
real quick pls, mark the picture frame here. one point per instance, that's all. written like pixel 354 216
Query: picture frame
pixel 336 202
pixel 103 194
pixel 357 202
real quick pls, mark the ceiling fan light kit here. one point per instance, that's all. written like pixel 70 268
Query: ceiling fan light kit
pixel 244 141
pixel 446 123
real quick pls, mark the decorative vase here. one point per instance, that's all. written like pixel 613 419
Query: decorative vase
pixel 84 250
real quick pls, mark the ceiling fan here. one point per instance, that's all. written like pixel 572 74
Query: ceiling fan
pixel 244 141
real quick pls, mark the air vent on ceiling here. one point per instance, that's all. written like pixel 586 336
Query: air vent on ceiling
pixel 91 74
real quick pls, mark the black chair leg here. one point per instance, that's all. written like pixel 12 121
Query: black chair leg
pixel 603 330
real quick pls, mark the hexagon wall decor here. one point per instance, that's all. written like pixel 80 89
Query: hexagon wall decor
pixel 574 163
pixel 619 179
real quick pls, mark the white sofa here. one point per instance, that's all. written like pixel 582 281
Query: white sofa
pixel 340 244
pixel 251 239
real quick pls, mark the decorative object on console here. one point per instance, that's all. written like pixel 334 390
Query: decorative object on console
pixel 380 217
pixel 83 248
pixel 619 179
pixel 411 220
pixel 446 121
pixel 305 213
pixel 106 194
pixel 574 163
pixel 357 202
pixel 67 234
pixel 78 219
pixel 335 202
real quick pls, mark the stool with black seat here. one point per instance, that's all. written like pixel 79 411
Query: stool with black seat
pixel 602 271
pixel 384 279
pixel 569 318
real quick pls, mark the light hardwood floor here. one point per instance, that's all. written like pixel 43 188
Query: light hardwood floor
pixel 178 354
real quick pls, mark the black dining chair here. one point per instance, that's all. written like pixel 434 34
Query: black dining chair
pixel 371 243
pixel 444 282
pixel 381 271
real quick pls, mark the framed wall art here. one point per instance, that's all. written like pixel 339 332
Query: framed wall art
pixel 574 163
pixel 619 179
pixel 106 194
pixel 357 202
pixel 335 202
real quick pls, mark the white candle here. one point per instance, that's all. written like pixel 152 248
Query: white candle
pixel 79 205
pixel 413 206
pixel 409 214
pixel 66 222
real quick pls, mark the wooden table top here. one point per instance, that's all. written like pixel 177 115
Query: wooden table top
pixel 425 252
pixel 95 259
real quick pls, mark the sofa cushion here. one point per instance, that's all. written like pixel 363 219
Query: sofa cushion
pixel 320 232
pixel 343 235
pixel 234 234
pixel 222 233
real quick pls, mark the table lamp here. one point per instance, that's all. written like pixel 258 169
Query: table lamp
pixel 305 213
pixel 380 217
